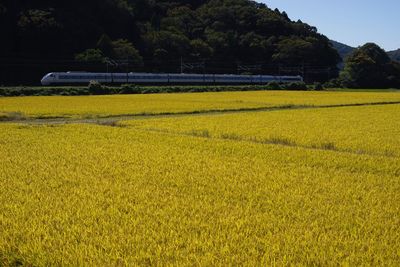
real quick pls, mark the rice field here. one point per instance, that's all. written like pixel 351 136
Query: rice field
pixel 317 186
pixel 364 129
pixel 116 105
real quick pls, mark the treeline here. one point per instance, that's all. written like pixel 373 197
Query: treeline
pixel 218 36
pixel 95 88
pixel 368 66
pixel 146 35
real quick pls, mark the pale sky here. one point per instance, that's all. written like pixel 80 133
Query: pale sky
pixel 353 22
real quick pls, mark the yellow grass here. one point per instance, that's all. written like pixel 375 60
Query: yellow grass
pixel 365 129
pixel 95 106
pixel 295 187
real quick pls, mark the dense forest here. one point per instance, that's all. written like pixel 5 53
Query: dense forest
pixel 369 66
pixel 215 36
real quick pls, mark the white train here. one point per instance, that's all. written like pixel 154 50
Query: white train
pixel 58 78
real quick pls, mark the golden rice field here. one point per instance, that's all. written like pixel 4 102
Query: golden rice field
pixel 364 129
pixel 303 187
pixel 103 106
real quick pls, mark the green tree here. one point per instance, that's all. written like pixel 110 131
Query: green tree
pixel 35 19
pixel 394 75
pixel 36 28
pixel 120 49
pixel 124 50
pixel 105 45
pixel 201 49
pixel 182 20
pixel 90 55
pixel 175 44
pixel 369 67
pixel 255 47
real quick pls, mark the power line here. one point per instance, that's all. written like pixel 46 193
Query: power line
pixel 192 66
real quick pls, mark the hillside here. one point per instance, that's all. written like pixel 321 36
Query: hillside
pixel 155 36
pixel 343 49
pixel 394 55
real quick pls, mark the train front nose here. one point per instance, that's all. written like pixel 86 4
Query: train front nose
pixel 46 80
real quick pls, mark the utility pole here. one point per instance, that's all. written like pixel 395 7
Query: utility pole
pixel 127 70
pixel 181 65
pixel 248 68
pixel 193 66
pixel 111 63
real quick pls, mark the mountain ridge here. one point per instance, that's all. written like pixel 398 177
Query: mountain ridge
pixel 394 55
pixel 345 50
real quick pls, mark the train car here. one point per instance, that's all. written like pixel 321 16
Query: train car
pixel 60 78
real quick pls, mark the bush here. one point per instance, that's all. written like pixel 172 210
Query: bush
pixel 174 89
pixel 196 89
pixel 296 86
pixel 334 83
pixel 149 91
pixel 274 86
pixel 130 89
pixel 318 87
pixel 95 88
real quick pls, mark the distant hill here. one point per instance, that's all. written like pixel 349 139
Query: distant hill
pixel 343 49
pixel 394 55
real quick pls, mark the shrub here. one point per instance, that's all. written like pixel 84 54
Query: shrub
pixel 175 89
pixel 296 86
pixel 149 91
pixel 334 83
pixel 318 87
pixel 130 89
pixel 95 88
pixel 196 89
pixel 274 86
